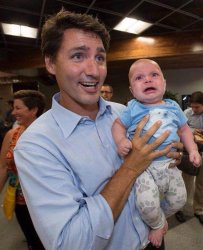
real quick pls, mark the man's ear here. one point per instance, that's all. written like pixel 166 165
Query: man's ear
pixel 50 65
pixel 130 89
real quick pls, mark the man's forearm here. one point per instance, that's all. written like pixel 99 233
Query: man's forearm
pixel 117 190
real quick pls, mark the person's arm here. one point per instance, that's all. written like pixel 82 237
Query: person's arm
pixel 124 145
pixel 3 166
pixel 187 138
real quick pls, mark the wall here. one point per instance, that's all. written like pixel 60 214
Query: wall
pixel 5 94
pixel 48 91
pixel 182 81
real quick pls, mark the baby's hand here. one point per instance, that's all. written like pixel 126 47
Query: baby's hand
pixel 195 158
pixel 124 147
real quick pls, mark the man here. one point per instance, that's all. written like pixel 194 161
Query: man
pixel 195 121
pixel 77 188
pixel 107 92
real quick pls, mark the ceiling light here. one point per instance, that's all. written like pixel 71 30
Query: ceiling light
pixel 19 30
pixel 132 25
pixel 197 48
pixel 146 40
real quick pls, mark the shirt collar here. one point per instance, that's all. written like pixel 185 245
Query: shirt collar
pixel 68 120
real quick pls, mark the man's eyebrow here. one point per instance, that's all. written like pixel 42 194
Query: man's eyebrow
pixel 101 50
pixel 85 48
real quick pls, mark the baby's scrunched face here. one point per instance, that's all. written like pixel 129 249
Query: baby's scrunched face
pixel 147 82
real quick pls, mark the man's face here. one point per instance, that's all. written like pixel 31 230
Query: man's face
pixel 106 92
pixel 197 108
pixel 80 70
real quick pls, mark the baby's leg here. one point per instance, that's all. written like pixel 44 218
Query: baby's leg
pixel 176 196
pixel 148 204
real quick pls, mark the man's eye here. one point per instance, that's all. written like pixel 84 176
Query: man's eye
pixel 100 58
pixel 77 56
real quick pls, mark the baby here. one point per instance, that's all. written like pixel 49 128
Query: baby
pixel 147 85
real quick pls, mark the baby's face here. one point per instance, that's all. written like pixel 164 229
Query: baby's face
pixel 147 83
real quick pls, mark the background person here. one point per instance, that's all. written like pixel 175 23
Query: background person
pixel 148 85
pixel 9 117
pixel 76 186
pixel 28 105
pixel 7 121
pixel 106 92
pixel 195 120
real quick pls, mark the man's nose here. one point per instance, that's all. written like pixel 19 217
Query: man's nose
pixel 92 68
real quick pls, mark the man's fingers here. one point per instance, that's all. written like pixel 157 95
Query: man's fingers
pixel 158 141
pixel 159 153
pixel 147 134
pixel 178 146
pixel 140 127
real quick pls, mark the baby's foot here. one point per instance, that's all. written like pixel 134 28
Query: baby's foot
pixel 156 235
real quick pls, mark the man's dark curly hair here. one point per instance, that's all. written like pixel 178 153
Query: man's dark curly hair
pixel 54 27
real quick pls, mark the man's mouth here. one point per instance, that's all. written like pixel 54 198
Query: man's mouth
pixel 89 84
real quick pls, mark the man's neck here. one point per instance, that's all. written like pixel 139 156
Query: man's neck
pixel 90 111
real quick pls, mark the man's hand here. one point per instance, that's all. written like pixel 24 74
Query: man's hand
pixel 142 153
pixel 176 155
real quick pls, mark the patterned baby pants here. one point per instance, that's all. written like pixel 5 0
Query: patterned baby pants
pixel 159 180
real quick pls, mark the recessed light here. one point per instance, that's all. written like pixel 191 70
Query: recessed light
pixel 19 30
pixel 132 25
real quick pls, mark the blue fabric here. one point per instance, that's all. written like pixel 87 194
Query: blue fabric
pixel 64 160
pixel 170 114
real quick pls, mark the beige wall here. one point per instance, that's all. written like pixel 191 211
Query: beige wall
pixel 183 81
pixel 5 94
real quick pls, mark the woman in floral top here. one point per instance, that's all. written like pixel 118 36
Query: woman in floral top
pixel 28 105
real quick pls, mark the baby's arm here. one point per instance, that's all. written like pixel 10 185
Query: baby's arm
pixel 187 138
pixel 124 145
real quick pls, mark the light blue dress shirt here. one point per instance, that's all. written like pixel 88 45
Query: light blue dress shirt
pixel 64 160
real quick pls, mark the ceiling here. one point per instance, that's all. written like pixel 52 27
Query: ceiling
pixel 168 18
